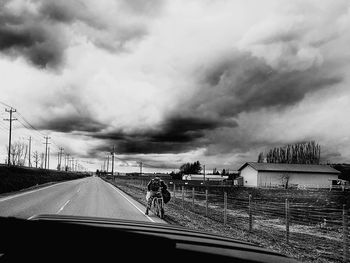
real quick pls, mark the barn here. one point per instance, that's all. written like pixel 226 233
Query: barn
pixel 278 174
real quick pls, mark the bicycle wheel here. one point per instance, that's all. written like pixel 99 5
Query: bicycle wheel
pixel 157 208
pixel 161 204
pixel 153 206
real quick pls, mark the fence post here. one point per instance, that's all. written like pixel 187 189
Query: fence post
pixel 287 220
pixel 174 190
pixel 183 198
pixel 206 202
pixel 225 208
pixel 250 214
pixel 345 234
pixel 192 198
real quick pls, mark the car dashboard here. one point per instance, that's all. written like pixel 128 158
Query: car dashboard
pixel 53 237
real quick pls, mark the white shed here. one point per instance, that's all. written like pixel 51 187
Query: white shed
pixel 277 174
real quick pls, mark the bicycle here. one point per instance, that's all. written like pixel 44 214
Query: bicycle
pixel 158 206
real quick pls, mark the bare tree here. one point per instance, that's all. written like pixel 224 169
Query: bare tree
pixel 36 158
pixel 285 179
pixel 19 152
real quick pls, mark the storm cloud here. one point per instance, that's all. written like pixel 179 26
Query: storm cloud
pixel 176 134
pixel 245 83
pixel 40 31
pixel 26 36
pixel 75 123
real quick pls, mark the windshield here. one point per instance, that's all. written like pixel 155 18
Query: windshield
pixel 239 108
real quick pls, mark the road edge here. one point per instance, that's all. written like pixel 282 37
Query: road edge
pixel 158 220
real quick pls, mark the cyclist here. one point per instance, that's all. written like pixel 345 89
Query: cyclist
pixel 155 187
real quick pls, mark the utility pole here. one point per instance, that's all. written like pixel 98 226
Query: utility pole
pixel 66 162
pixel 58 161
pixel 113 160
pixel 36 158
pixel 204 173
pixel 46 144
pixel 60 157
pixel 48 158
pixel 107 163
pixel 30 149
pixel 42 160
pixel 140 168
pixel 67 167
pixel 10 133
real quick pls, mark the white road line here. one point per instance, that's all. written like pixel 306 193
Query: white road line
pixel 66 203
pixel 25 193
pixel 119 192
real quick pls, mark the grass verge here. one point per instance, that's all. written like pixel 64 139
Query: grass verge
pixel 174 214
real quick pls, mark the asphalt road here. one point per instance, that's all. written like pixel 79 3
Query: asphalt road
pixel 89 196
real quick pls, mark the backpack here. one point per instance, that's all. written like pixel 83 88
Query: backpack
pixel 155 185
pixel 166 196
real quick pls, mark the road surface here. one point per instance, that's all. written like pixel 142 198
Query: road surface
pixel 89 196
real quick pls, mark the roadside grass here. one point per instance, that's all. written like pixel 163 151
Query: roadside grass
pixel 14 179
pixel 303 247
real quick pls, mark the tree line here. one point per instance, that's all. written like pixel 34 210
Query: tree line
pixel 299 153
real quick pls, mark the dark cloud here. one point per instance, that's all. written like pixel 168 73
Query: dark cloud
pixel 187 128
pixel 40 36
pixel 245 83
pixel 64 11
pixel 176 134
pixel 26 34
pixel 34 42
pixel 72 123
pixel 67 111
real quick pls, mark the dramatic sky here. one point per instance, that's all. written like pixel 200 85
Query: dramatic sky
pixel 169 82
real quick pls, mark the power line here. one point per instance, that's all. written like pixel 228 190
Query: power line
pixel 3 127
pixel 34 133
pixel 24 119
pixel 6 105
pixel 26 124
pixel 29 129
pixel 122 160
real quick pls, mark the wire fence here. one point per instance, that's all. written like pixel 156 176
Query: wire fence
pixel 322 230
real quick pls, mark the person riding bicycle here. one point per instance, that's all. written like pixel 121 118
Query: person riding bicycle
pixel 155 187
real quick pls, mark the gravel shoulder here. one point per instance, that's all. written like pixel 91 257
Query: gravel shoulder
pixel 174 214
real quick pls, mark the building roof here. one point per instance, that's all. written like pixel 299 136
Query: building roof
pixel 287 167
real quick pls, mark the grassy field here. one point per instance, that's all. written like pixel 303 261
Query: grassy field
pixel 17 178
pixel 307 242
